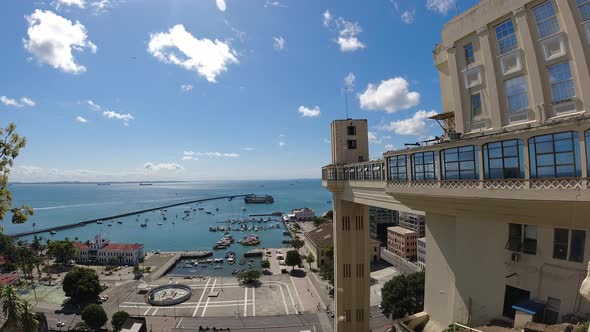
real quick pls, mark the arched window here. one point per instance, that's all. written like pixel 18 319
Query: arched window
pixel 503 160
pixel 555 155
pixel 397 167
pixel 423 166
pixel 459 163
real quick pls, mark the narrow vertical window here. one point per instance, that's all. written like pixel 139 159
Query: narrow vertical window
pixel 506 37
pixel 514 237
pixel 560 243
pixel 516 92
pixel 469 56
pixel 562 83
pixel 578 242
pixel 475 105
pixel 546 19
pixel 529 243
pixel 351 130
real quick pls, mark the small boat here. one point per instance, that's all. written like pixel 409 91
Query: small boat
pixel 218 260
pixel 142 225
pixel 160 224
pixel 217 267
pixel 99 222
pixel 119 222
pixel 209 261
pixel 230 260
pixel 110 225
pixel 52 232
pixel 216 209
pixel 242 261
pixel 201 209
pixel 212 229
pixel 236 271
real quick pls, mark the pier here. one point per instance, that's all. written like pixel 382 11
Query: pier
pixel 91 221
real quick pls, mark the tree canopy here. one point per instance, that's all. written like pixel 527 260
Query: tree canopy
pixel 18 312
pixel 119 319
pixel 94 316
pixel 62 250
pixel 309 259
pixel 403 295
pixel 293 258
pixel 297 243
pixel 329 251
pixel 248 277
pixel 10 145
pixel 81 284
pixel 265 264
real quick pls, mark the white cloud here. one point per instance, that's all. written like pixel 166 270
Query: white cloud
pixel 326 18
pixel 190 155
pixel 282 143
pixel 408 16
pixel 390 95
pixel 415 125
pixel 24 101
pixel 275 4
pixel 186 87
pixel 309 112
pixel 206 57
pixel 325 140
pixel 220 5
pixel 163 167
pixel 248 149
pixel 374 139
pixel 349 82
pixel 440 6
pixel 81 119
pixel 389 147
pixel 69 3
pixel 279 43
pixel 125 117
pixel 51 39
pixel 101 6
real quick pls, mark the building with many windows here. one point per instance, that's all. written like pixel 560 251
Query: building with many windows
pixel 303 214
pixel 102 251
pixel 421 252
pixel 379 220
pixel 402 242
pixel 414 222
pixel 505 189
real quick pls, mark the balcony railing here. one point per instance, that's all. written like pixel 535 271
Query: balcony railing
pixel 338 173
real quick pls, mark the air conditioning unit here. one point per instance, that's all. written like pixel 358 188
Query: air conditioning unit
pixel 515 257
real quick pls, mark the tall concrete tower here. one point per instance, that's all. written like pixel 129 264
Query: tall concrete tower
pixel 350 144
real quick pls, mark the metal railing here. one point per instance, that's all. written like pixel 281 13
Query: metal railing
pixel 363 172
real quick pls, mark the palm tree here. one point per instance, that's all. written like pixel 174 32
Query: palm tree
pixel 11 306
pixel 28 317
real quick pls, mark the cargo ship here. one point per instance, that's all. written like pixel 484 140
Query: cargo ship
pixel 253 199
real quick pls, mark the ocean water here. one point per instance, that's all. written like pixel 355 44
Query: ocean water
pixel 57 204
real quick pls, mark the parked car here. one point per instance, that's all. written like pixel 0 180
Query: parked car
pixel 60 324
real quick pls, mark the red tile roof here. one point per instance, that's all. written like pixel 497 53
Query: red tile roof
pixel 7 279
pixel 111 246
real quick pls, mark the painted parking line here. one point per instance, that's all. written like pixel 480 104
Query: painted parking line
pixel 297 293
pixel 201 298
pixel 284 302
pixel 208 298
pixel 245 301
pixel 180 321
pixel 253 301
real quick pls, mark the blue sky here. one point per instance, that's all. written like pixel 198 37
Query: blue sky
pixel 111 90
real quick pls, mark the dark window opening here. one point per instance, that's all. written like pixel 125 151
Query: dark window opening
pixel 351 130
pixel 514 237
pixel 577 246
pixel 352 144
pixel 560 242
pixel 529 243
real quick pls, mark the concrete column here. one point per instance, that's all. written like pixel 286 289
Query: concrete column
pixel 583 156
pixel 569 24
pixel 537 99
pixel 351 266
pixel 489 72
pixel 458 86
pixel 526 158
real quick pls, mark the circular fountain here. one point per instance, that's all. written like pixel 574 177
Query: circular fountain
pixel 167 295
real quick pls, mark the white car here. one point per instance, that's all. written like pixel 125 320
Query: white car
pixel 60 323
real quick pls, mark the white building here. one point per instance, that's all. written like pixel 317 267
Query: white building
pixel 303 214
pixel 104 252
pixel 421 244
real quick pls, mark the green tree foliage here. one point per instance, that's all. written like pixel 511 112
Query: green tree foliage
pixel 318 221
pixel 297 243
pixel 81 284
pixel 9 250
pixel 10 145
pixel 94 316
pixel 62 250
pixel 329 251
pixel 118 319
pixel 293 258
pixel 19 314
pixel 327 271
pixel 403 295
pixel 265 264
pixel 309 259
pixel 248 277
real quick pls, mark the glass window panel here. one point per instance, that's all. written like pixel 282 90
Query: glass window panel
pixel 564 158
pixel 467 165
pixel 545 147
pixel 564 145
pixel 560 243
pixel 584 6
pixel 496 163
pixel 452 175
pixel 451 166
pixel 450 157
pixel 577 245
pixel 510 151
pixel 506 37
pixel 511 162
pixel 468 174
pixel 545 172
pixel 469 58
pixel 562 84
pixel 529 245
pixel 475 105
pixel 547 23
pixel 495 153
pixel 565 171
pixel 545 160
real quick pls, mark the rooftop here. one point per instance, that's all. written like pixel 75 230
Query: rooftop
pixel 111 246
pixel 322 235
pixel 400 230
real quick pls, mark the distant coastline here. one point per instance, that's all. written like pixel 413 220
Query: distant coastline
pixel 157 182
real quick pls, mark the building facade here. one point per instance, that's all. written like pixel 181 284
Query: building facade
pixel 102 251
pixel 505 190
pixel 303 214
pixel 414 222
pixel 402 242
pixel 379 220
pixel 421 251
